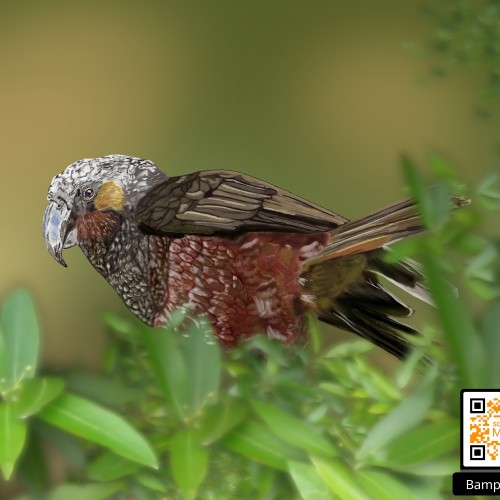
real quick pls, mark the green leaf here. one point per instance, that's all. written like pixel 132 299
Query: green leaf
pixel 440 196
pixel 108 466
pixel 491 322
pixel 445 171
pixel 118 323
pixel 219 419
pixel 339 479
pixel 483 273
pixel 151 482
pixel 4 367
pixel 377 384
pixel 94 423
pixel 313 328
pixel 438 467
pixel 457 325
pixel 418 190
pixel 407 368
pixel 425 443
pixel 456 322
pixel 168 366
pixel 67 445
pixel 423 488
pixel 189 462
pixel 488 194
pixel 100 389
pixel 85 492
pixel 36 393
pixel 405 416
pixel 32 468
pixel 293 430
pixel 139 492
pixel 308 482
pixel 202 357
pixel 382 486
pixel 12 438
pixel 256 442
pixel 20 337
pixel 186 364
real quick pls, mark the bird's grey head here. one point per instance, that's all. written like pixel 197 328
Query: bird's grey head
pixel 110 183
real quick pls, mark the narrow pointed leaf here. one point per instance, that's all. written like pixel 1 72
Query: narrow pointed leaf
pixel 151 482
pixel 455 319
pixel 32 468
pixel 169 368
pixel 3 362
pixel 256 442
pixel 308 482
pixel 425 443
pixel 118 323
pixel 85 492
pixel 407 415
pixel 444 170
pixel 437 467
pixel 203 365
pixel 99 425
pixel 293 430
pixel 189 461
pixel 491 321
pixel 439 195
pixel 36 393
pixel 339 479
pixel 101 389
pixel 20 336
pixel 418 190
pixel 12 438
pixel 69 446
pixel 108 466
pixel 457 324
pixel 218 420
pixel 382 486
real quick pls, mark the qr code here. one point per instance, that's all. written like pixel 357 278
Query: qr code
pixel 480 429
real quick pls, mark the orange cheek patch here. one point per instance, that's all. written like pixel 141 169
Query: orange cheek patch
pixel 109 197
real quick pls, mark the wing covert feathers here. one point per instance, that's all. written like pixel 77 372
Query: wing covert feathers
pixel 225 202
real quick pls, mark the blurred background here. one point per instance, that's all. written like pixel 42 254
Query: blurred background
pixel 320 98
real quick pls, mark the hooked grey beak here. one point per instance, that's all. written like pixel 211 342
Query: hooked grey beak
pixel 57 230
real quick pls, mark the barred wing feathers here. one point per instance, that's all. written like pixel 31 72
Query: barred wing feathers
pixel 221 201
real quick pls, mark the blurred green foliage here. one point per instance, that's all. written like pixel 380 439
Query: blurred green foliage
pixel 467 35
pixel 170 416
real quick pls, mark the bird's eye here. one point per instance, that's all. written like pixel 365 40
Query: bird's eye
pixel 88 194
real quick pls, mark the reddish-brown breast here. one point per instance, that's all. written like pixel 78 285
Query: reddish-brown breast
pixel 246 285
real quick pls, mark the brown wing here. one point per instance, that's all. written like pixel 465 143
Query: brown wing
pixel 221 201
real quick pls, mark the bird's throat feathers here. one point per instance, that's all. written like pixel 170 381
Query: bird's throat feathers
pixel 98 226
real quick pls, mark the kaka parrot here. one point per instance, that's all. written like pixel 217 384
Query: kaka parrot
pixel 249 256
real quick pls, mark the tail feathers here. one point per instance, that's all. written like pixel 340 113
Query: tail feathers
pixel 405 275
pixel 372 232
pixel 367 293
pixel 364 307
pixel 376 327
pixel 343 276
pixel 355 300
